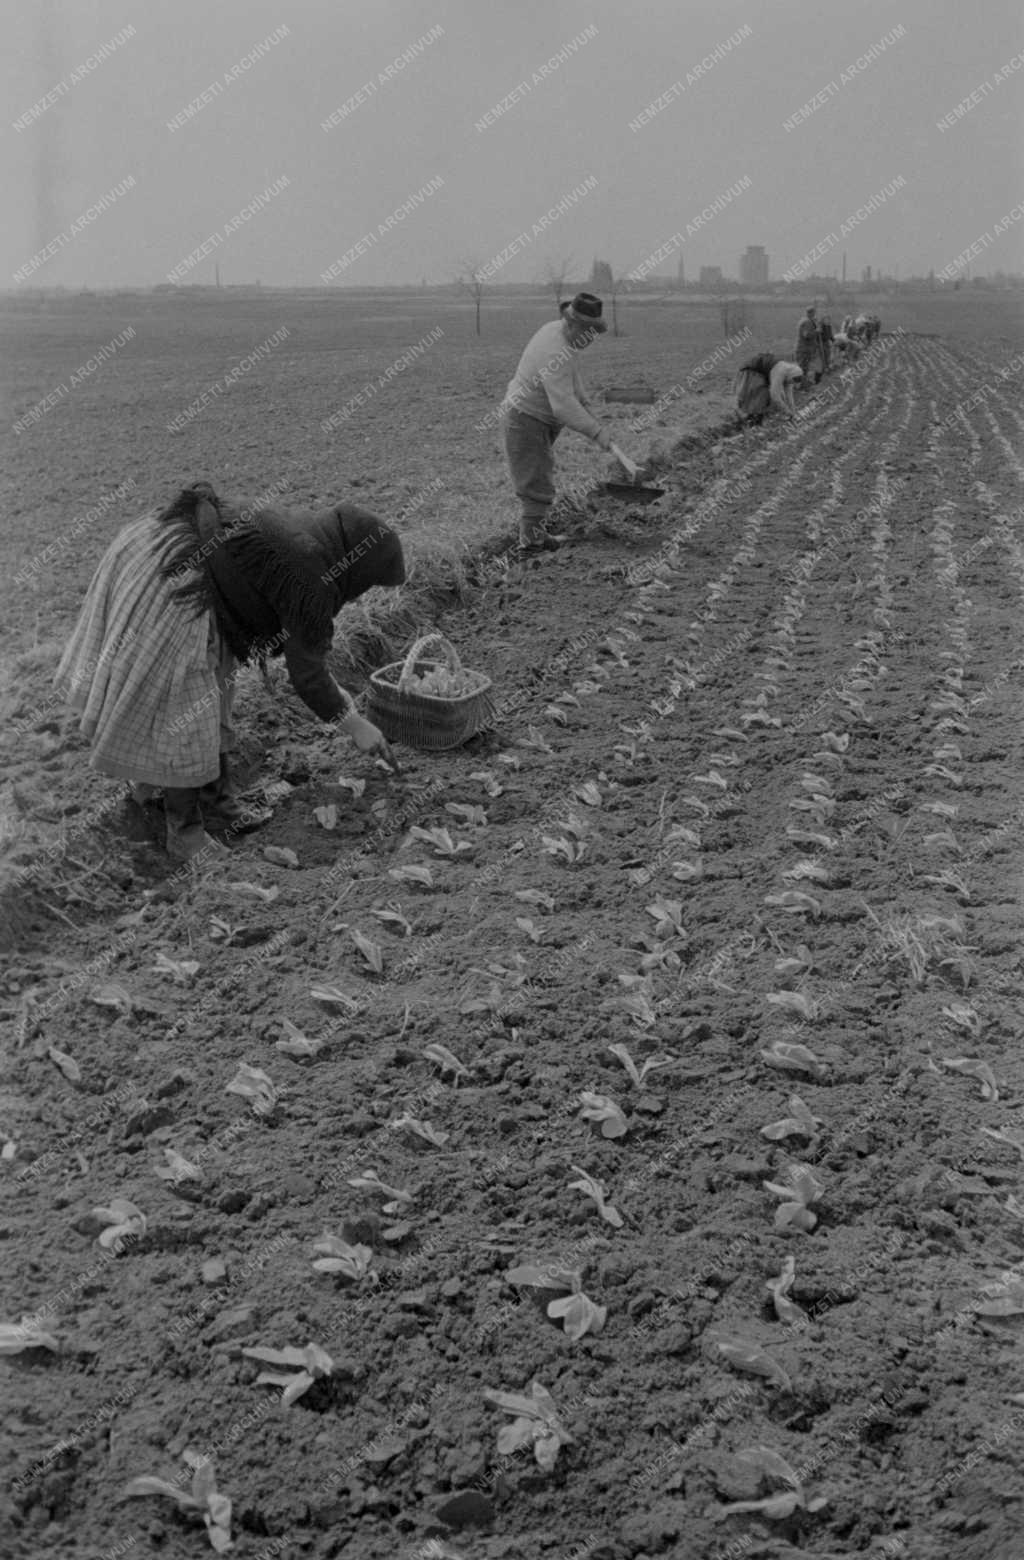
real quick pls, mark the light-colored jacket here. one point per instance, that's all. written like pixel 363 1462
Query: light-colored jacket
pixel 547 383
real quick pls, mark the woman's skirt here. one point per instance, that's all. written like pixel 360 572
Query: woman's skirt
pixel 751 392
pixel 149 679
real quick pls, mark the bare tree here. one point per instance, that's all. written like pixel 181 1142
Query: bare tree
pixel 555 273
pixel 469 278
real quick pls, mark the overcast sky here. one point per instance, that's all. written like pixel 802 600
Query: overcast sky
pixel 569 131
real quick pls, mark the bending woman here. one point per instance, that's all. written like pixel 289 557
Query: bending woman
pixel 178 600
pixel 765 381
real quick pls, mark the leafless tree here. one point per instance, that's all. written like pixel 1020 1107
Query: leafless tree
pixel 469 278
pixel 555 273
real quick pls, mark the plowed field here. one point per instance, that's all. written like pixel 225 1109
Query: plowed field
pixel 752 808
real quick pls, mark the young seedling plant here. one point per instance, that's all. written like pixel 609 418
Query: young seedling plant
pixel 254 1085
pixel 799 1123
pixel 577 1314
pixel 536 1422
pixel 803 1189
pixel 775 1507
pixel 602 1108
pixel 204 1501
pixel 123 1221
pixel 638 1075
pixel 595 1190
pixel 442 842
pixel 337 1256
pixel 306 1367
pixel 447 1061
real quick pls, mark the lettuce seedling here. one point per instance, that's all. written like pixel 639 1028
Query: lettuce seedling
pixel 534 932
pixel 371 951
pixel 803 1189
pixel 537 1420
pixel 807 870
pixel 441 840
pixel 571 851
pixel 214 1509
pixel 253 1084
pixel 255 891
pixel 422 1129
pixel 337 1256
pixel 180 970
pixel 668 917
pixel 788 1056
pixel 280 856
pixel 491 785
pixel 447 1061
pixel 357 787
pixel 785 1309
pixel 396 917
pixel 177 1168
pixel 964 1017
pixel 794 1002
pixel 1012 1139
pixel 602 1108
pixel 553 712
pixel 412 875
pixel 799 1123
pixel 333 996
pixel 535 896
pixel 370 1181
pixel 67 1064
pixel 326 817
pixel 121 1218
pixel 636 1004
pixel 589 793
pixel 309 1365
pixel 795 903
pixel 577 1314
pixel 15 1337
pixel 595 1190
pixel 639 1074
pixel 975 1068
pixel 745 1356
pixel 295 1043
pixel 469 812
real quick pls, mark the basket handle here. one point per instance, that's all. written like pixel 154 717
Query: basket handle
pixel 449 651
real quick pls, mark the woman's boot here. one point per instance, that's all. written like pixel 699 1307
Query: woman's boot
pixel 187 839
pixel 223 809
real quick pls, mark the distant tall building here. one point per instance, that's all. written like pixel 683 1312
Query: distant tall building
pixel 754 266
pixel 681 272
pixel 711 276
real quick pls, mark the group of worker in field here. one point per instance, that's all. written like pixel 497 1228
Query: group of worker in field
pixel 211 582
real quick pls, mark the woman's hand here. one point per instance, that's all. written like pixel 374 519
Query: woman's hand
pixel 368 738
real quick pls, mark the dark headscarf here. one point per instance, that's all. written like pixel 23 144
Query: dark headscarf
pixel 261 569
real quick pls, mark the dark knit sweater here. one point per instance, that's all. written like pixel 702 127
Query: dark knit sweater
pixel 276 579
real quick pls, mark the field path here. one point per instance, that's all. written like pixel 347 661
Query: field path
pixel 754 807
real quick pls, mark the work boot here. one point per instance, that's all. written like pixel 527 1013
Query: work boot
pixel 224 811
pixel 187 839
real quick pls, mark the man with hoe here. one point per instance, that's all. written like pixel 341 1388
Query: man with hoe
pixel 544 396
pixel 808 345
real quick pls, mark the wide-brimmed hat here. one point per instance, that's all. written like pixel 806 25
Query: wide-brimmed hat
pixel 584 310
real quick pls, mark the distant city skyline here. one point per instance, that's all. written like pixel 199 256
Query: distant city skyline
pixel 379 145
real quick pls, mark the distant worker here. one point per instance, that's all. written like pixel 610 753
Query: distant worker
pixel 544 396
pixel 808 345
pixel 763 382
pixel 826 336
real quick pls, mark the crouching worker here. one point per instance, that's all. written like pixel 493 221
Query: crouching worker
pixel 544 396
pixel 178 600
pixel 765 381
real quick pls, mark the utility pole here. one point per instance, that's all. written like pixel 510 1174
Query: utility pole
pixel 844 267
pixel 216 269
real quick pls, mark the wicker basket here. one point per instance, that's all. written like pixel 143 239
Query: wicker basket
pixel 428 720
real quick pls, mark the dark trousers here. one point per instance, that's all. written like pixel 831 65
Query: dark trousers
pixel 529 446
